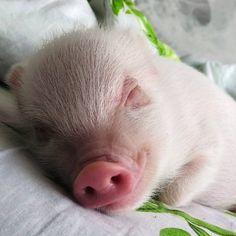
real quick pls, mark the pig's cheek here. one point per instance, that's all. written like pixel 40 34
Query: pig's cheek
pixel 56 159
pixel 61 166
pixel 149 182
pixel 65 162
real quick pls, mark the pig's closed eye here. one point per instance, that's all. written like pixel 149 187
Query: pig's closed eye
pixel 133 96
pixel 43 133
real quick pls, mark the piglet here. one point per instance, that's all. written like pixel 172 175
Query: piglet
pixel 118 124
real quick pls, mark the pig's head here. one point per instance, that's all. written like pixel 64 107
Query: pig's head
pixel 89 101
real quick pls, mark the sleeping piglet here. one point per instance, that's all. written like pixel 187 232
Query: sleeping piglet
pixel 117 124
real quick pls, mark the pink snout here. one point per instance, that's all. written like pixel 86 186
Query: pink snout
pixel 102 183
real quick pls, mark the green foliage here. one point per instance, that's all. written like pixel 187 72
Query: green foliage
pixel 230 213
pixel 196 224
pixel 129 8
pixel 174 232
pixel 199 231
pixel 116 5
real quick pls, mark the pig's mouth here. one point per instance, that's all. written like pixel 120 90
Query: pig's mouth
pixel 109 185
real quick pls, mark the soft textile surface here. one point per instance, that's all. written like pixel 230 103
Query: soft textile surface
pixel 32 205
pixel 26 24
pixel 224 75
pixel 204 28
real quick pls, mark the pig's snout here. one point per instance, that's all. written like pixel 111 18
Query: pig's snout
pixel 102 183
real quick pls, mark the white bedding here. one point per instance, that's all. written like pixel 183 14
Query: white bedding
pixel 26 24
pixel 31 204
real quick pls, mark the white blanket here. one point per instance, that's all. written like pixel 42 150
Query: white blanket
pixel 26 24
pixel 31 204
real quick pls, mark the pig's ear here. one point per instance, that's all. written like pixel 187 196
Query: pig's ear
pixel 133 95
pixel 15 75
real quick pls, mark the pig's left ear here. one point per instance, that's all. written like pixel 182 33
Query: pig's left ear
pixel 14 76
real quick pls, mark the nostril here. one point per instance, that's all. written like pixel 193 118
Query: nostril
pixel 89 191
pixel 116 179
pixel 102 183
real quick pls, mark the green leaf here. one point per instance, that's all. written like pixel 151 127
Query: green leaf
pixel 116 6
pixel 154 206
pixel 199 231
pixel 130 8
pixel 173 232
pixel 230 213
pixel 128 11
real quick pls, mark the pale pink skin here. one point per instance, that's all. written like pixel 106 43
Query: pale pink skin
pixel 99 101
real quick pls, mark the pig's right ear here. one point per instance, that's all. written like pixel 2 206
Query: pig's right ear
pixel 14 76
